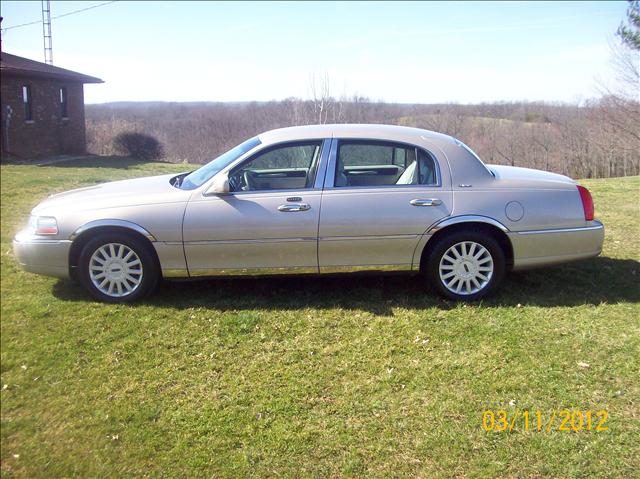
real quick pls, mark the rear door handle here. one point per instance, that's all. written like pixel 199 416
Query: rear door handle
pixel 294 207
pixel 427 202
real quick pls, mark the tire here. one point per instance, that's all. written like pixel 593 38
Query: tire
pixel 466 265
pixel 118 268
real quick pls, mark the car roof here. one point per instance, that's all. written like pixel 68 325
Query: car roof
pixel 369 131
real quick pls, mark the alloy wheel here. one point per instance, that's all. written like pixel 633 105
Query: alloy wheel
pixel 115 270
pixel 466 268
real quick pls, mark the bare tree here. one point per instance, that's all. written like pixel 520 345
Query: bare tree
pixel 321 96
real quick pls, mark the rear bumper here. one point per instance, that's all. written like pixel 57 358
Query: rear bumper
pixel 41 255
pixel 532 249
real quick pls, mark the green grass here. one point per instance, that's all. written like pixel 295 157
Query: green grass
pixel 317 377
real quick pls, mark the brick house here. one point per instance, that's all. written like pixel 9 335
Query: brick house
pixel 42 108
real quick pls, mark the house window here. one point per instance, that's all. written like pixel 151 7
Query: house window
pixel 26 100
pixel 64 112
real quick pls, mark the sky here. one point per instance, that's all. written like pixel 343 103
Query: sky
pixel 408 52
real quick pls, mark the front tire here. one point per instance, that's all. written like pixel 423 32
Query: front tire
pixel 118 268
pixel 466 265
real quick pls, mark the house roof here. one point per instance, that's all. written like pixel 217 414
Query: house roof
pixel 14 65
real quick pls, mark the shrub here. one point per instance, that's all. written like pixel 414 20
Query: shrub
pixel 138 145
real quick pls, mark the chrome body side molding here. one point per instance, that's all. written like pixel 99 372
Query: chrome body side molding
pixel 112 222
pixel 599 226
pixel 252 271
pixel 453 220
pixel 175 273
pixel 365 267
pixel 247 241
pixel 368 237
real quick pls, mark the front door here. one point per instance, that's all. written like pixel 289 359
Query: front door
pixel 379 199
pixel 267 224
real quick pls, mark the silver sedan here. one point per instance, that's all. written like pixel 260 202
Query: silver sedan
pixel 317 200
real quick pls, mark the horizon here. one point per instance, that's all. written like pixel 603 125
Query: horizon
pixel 347 100
pixel 400 53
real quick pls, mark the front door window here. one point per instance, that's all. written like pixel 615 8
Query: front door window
pixel 284 167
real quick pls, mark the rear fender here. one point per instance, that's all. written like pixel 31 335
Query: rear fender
pixel 447 222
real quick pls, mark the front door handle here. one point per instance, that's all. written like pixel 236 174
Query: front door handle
pixel 427 202
pixel 294 207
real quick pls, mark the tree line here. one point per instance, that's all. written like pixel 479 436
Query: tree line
pixel 598 139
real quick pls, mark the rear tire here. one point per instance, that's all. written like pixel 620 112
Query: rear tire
pixel 466 265
pixel 118 268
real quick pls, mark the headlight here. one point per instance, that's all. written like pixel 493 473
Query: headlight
pixel 43 225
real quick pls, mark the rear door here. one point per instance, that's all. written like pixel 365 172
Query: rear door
pixel 379 198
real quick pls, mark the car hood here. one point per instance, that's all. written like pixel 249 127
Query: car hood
pixel 135 192
pixel 516 177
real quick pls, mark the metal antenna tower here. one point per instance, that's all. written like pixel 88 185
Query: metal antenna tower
pixel 46 31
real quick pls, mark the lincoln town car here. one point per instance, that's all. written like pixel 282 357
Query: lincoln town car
pixel 317 200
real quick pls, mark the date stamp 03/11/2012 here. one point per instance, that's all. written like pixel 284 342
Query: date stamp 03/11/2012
pixel 564 420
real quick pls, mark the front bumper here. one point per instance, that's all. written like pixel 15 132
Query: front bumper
pixel 42 255
pixel 532 249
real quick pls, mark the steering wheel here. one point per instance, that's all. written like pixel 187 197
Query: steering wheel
pixel 248 181
pixel 234 183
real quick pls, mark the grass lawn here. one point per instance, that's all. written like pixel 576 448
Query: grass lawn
pixel 318 377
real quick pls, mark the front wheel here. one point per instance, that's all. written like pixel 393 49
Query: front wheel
pixel 466 265
pixel 117 268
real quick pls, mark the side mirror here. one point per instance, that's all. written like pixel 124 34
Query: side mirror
pixel 220 185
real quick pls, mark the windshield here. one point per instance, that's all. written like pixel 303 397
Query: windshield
pixel 201 175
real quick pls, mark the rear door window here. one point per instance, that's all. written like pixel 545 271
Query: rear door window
pixel 372 163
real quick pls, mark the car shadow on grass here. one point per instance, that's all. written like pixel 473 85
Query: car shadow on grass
pixel 596 281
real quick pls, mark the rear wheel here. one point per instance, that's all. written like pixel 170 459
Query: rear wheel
pixel 117 268
pixel 466 265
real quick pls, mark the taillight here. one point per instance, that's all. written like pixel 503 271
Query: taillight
pixel 587 203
